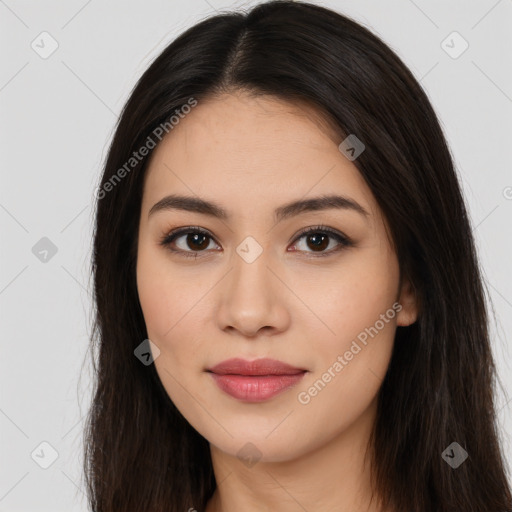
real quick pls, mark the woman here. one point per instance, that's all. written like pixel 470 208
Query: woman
pixel 290 314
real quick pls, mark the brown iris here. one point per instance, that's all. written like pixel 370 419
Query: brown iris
pixel 197 241
pixel 320 241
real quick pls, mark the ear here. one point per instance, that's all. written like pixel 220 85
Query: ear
pixel 409 302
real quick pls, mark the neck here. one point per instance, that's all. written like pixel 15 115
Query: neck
pixel 333 477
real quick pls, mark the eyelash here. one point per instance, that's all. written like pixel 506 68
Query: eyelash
pixel 343 240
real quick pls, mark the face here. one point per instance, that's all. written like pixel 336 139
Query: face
pixel 251 285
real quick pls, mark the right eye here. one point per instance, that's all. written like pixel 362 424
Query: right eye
pixel 196 238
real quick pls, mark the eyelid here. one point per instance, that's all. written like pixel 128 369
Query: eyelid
pixel 321 229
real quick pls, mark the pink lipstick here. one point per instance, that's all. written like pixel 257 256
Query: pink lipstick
pixel 255 381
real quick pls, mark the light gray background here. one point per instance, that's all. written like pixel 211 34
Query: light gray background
pixel 57 118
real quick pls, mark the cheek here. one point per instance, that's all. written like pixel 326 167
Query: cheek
pixel 348 367
pixel 346 300
pixel 162 299
pixel 172 306
pixel 153 295
pixel 172 326
pixel 352 356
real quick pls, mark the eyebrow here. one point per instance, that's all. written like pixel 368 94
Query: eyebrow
pixel 202 206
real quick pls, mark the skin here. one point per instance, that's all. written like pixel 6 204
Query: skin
pixel 252 155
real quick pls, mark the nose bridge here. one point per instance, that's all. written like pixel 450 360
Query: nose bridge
pixel 250 277
pixel 251 300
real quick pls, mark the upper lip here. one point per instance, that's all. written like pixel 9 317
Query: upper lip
pixel 263 366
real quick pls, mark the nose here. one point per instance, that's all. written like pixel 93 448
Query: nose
pixel 253 298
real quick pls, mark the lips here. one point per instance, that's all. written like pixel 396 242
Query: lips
pixel 263 366
pixel 255 381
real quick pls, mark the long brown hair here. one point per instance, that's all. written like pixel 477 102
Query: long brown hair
pixel 140 453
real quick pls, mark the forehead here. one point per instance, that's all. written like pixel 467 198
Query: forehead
pixel 237 147
pixel 233 127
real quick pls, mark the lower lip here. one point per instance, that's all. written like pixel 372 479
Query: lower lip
pixel 255 388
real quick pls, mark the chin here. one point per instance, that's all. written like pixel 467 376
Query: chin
pixel 253 449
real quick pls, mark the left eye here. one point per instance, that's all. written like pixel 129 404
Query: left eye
pixel 318 238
